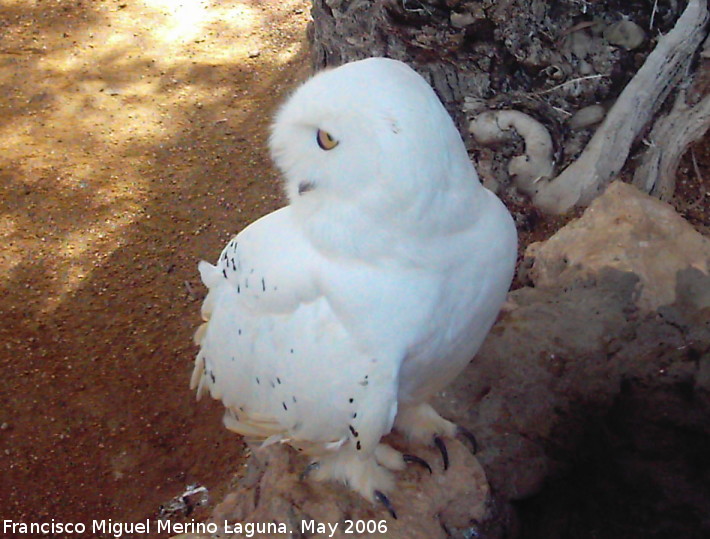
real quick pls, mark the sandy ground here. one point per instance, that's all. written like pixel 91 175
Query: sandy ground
pixel 133 145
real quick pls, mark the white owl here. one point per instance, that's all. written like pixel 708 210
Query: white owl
pixel 334 319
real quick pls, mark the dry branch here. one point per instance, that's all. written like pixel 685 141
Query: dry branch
pixel 672 134
pixel 609 148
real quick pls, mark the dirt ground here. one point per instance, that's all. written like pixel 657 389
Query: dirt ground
pixel 133 145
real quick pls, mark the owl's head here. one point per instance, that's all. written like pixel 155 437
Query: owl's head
pixel 371 133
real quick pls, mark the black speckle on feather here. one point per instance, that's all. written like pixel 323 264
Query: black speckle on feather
pixel 353 431
pixel 350 400
pixel 257 380
pixel 234 266
pixel 224 272
pixel 212 377
pixel 263 285
pixel 284 405
pixel 292 350
pixel 278 380
pixel 239 289
pixel 358 445
pixel 293 398
pixel 354 415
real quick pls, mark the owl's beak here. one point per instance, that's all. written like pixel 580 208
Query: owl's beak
pixel 305 186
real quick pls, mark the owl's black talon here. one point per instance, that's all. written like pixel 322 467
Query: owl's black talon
pixel 308 469
pixel 417 460
pixel 441 446
pixel 461 431
pixel 384 500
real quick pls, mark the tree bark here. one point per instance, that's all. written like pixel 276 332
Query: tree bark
pixel 547 60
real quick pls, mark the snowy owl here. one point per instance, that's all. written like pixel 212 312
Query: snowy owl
pixel 333 320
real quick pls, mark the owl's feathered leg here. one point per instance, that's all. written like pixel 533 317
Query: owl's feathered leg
pixel 422 424
pixel 366 475
pixel 338 468
pixel 370 477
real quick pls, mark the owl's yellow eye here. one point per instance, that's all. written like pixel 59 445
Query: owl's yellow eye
pixel 325 140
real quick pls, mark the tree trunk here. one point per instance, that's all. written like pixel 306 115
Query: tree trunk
pixel 552 61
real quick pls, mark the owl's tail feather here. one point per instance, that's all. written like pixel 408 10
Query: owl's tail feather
pixel 209 274
pixel 200 334
pixel 212 279
pixel 199 379
pixel 253 426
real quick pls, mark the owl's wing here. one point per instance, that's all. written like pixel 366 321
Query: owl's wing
pixel 269 265
pixel 275 353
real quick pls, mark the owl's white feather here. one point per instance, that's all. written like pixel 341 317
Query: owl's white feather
pixel 370 291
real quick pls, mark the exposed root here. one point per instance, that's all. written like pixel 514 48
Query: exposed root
pixel 672 134
pixel 493 127
pixel 607 151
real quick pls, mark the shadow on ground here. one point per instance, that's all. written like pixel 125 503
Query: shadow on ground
pixel 127 156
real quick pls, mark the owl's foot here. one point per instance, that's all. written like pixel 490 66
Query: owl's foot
pixel 413 459
pixel 461 432
pixel 422 424
pixel 384 500
pixel 370 477
pixel 385 456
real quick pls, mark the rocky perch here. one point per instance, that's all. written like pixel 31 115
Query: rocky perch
pixel 590 400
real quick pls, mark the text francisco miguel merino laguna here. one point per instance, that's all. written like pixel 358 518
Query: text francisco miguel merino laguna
pixel 115 529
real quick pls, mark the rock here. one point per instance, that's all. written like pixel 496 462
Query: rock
pixel 426 504
pixel 583 371
pixel 626 34
pixel 627 230
pixel 587 116
pixel 461 20
pixel 544 355
pixel 577 375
